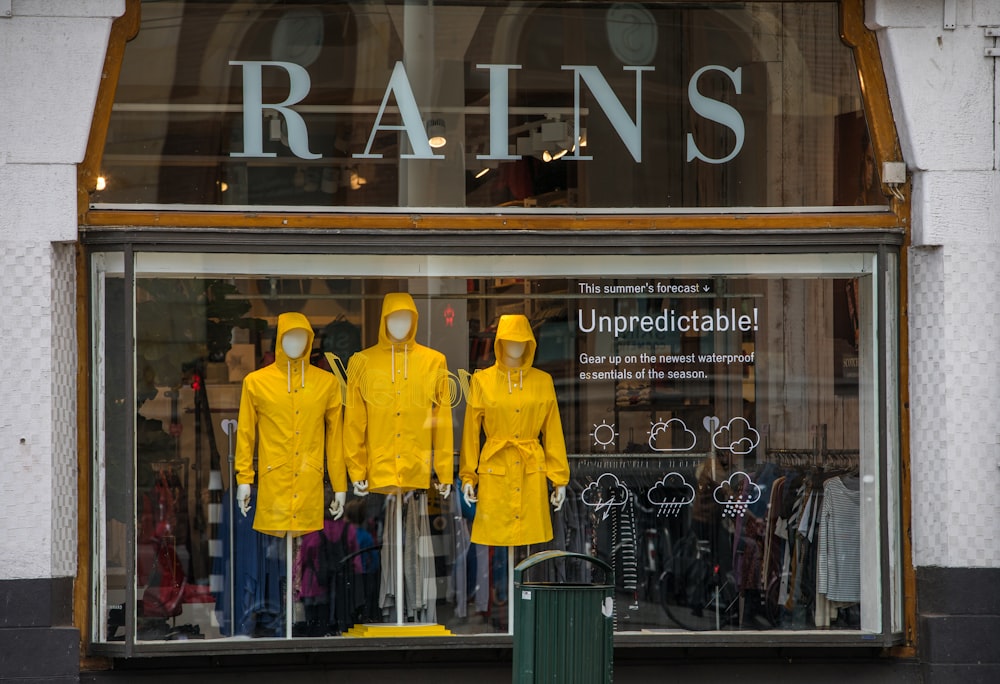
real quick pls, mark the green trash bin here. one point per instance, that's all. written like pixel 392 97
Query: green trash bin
pixel 563 632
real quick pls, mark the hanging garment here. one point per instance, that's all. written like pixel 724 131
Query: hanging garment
pixel 839 547
pixel 390 547
pixel 461 546
pixel 254 566
pixel 516 408
pixel 419 578
pixel 398 415
pixel 291 412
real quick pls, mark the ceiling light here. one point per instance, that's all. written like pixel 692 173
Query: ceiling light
pixel 436 133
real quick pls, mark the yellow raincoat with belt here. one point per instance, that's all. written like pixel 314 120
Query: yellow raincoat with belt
pixel 516 408
pixel 397 419
pixel 290 414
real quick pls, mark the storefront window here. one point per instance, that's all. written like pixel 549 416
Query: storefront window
pixel 479 105
pixel 707 424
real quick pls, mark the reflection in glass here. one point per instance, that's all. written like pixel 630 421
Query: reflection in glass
pixel 554 105
pixel 712 425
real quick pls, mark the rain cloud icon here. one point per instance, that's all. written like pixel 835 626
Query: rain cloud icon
pixel 736 494
pixel 670 494
pixel 725 439
pixel 664 429
pixel 605 492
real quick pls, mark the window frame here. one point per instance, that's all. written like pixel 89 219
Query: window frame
pixel 142 252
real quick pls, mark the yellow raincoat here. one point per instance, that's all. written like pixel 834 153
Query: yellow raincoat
pixel 397 420
pixel 513 406
pixel 290 412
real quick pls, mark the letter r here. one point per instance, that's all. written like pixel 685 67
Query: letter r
pixel 254 106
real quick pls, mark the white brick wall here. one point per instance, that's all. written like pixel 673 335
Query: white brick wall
pixel 943 93
pixel 51 57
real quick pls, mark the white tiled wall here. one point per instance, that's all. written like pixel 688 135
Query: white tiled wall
pixel 943 95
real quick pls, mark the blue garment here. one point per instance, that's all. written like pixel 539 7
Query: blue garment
pixel 258 569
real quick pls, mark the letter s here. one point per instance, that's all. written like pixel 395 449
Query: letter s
pixel 716 111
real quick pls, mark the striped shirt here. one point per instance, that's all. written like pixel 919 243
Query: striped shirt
pixel 838 571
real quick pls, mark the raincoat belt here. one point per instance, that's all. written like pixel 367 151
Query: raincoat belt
pixel 531 451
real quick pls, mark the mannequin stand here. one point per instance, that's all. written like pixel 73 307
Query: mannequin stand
pixel 401 628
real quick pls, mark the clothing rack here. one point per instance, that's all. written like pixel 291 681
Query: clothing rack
pixel 817 454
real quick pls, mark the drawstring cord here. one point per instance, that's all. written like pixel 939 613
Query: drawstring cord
pixel 520 381
pixel 406 362
pixel 288 372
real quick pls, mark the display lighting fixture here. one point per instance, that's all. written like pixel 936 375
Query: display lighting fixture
pixel 102 183
pixel 550 140
pixel 436 133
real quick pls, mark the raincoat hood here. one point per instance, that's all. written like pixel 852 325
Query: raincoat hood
pixel 391 303
pixel 288 322
pixel 515 328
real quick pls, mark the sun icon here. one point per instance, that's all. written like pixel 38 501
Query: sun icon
pixel 604 434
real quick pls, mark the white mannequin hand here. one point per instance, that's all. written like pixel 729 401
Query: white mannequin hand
pixel 361 488
pixel 443 489
pixel 469 493
pixel 243 498
pixel 558 498
pixel 337 505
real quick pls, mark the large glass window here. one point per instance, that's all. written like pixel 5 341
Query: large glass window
pixel 707 424
pixel 559 106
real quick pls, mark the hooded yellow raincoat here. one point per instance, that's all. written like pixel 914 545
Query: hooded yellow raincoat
pixel 397 420
pixel 290 412
pixel 516 408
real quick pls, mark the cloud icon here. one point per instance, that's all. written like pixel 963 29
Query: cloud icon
pixel 736 494
pixel 670 493
pixel 724 439
pixel 664 431
pixel 605 492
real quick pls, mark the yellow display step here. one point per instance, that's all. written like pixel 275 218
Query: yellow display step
pixel 409 629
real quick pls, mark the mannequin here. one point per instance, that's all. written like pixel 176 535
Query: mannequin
pixel 290 411
pixel 401 388
pixel 514 404
pixel 397 425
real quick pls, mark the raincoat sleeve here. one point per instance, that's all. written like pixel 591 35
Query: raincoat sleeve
pixel 335 464
pixel 246 436
pixel 354 434
pixel 556 463
pixel 474 416
pixel 444 435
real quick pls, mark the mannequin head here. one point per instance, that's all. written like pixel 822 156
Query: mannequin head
pixel 398 325
pixel 513 351
pixel 293 342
